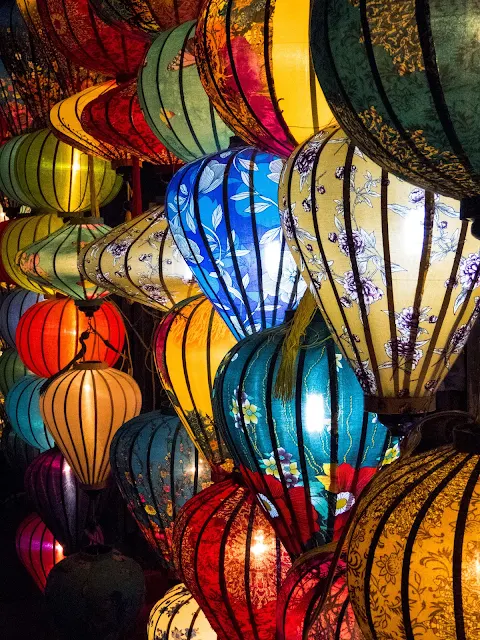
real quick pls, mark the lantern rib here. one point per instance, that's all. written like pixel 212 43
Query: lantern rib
pixel 182 94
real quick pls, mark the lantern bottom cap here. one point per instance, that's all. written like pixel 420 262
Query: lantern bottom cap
pixel 408 406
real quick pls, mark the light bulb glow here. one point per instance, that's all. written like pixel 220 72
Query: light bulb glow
pixel 315 419
pixel 259 547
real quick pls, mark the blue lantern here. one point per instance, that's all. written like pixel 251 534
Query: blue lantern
pixel 224 217
pixel 12 309
pixel 23 410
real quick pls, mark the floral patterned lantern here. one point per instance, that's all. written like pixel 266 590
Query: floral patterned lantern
pixel 223 215
pixel 11 370
pixel 173 100
pixel 229 558
pixel 15 451
pixel 157 469
pixel 248 53
pixel 393 269
pixel 12 309
pixel 22 407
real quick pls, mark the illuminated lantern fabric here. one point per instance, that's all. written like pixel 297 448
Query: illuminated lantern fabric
pixel 229 558
pixel 393 269
pixel 157 469
pixel 306 459
pixel 23 410
pixel 173 100
pixel 177 615
pixel 37 549
pixel 52 261
pixel 16 452
pixel 248 53
pixel 11 370
pixel 12 309
pixel 414 543
pixel 190 344
pixel 4 277
pixel 82 409
pixel 48 335
pixel 224 218
pixel 14 115
pixel 139 260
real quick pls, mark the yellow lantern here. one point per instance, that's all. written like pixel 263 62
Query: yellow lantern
pixel 83 409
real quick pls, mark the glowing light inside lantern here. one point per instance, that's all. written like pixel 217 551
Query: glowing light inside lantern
pixel 315 419
pixel 259 547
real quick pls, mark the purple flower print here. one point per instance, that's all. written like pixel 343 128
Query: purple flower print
pixel 370 292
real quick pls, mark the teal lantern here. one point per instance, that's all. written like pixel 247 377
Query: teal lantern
pixel 11 370
pixel 12 309
pixel 23 410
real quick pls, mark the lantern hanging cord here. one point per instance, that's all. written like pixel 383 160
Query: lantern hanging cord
pixel 81 354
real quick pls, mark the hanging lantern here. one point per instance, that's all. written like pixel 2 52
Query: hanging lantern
pixel 139 260
pixel 393 269
pixel 157 469
pixel 14 114
pixel 4 277
pixel 177 615
pixel 173 100
pixel 224 218
pixel 248 54
pixel 413 555
pixel 11 370
pixel 37 549
pixel 22 407
pixel 48 335
pixel 12 309
pixel 82 409
pixel 190 343
pixel 15 451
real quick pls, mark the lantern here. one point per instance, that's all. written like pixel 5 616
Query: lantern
pixel 229 558
pixel 12 309
pixel 248 54
pixel 413 555
pixel 177 615
pixel 139 260
pixel 224 219
pixel 37 549
pixel 11 370
pixel 393 269
pixel 173 100
pixel 49 335
pixel 157 469
pixel 23 410
pixel 190 343
pixel 14 116
pixel 4 277
pixel 16 452
pixel 82 409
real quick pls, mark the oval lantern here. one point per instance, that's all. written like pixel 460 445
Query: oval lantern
pixel 173 100
pixel 22 407
pixel 49 335
pixel 139 260
pixel 229 558
pixel 393 269
pixel 177 615
pixel 83 408
pixel 13 307
pixel 157 469
pixel 37 549
pixel 11 370
pixel 16 452
pixel 190 343
pixel 247 55
pixel 4 277
pixel 223 213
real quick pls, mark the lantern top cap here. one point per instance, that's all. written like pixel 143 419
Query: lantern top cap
pixel 82 220
pixel 90 364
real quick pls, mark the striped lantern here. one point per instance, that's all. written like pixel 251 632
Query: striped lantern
pixel 22 407
pixel 15 451
pixel 4 277
pixel 12 309
pixel 11 370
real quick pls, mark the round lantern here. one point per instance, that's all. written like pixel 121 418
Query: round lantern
pixel 139 260
pixel 393 269
pixel 82 409
pixel 13 307
pixel 173 100
pixel 49 335
pixel 23 410
pixel 16 452
pixel 177 615
pixel 224 218
pixel 157 469
pixel 190 343
pixel 413 555
pixel 229 558
pixel 4 277
pixel 37 549
pixel 95 594
pixel 248 54
pixel 11 370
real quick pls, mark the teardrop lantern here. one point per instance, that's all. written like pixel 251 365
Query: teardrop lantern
pixel 12 309
pixel 11 370
pixel 22 407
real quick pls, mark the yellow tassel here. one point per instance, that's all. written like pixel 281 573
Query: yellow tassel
pixel 285 382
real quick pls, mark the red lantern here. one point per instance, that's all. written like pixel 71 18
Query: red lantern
pixel 48 335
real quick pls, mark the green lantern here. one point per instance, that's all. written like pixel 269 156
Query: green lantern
pixel 11 370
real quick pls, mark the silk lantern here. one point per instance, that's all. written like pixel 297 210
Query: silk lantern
pixel 82 409
pixel 12 309
pixel 37 549
pixel 190 343
pixel 15 451
pixel 392 268
pixel 11 370
pixel 139 260
pixel 14 115
pixel 4 277
pixel 229 558
pixel 49 333
pixel 177 615
pixel 173 100
pixel 157 469
pixel 223 215
pixel 247 55
pixel 414 545
pixel 22 407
